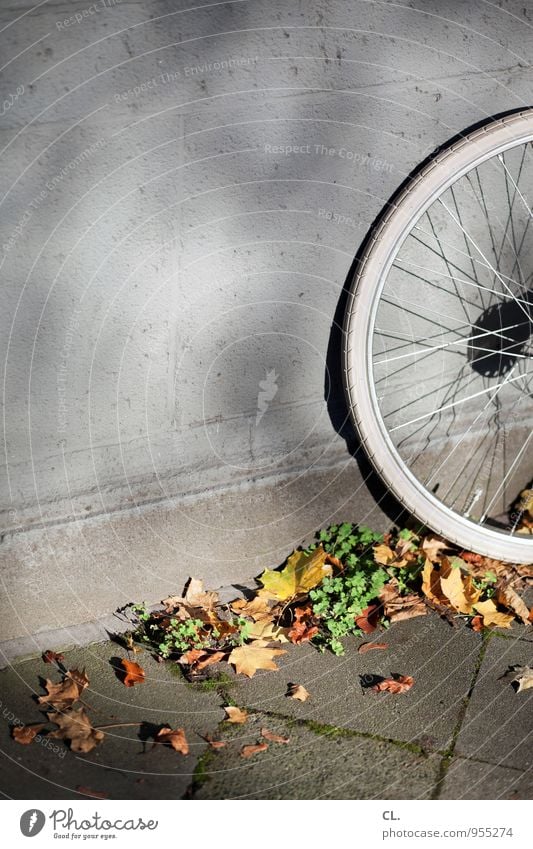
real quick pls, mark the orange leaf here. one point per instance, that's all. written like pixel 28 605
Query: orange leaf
pixel 364 647
pixel 304 627
pixel 95 794
pixel 477 623
pixel 274 738
pixel 398 684
pixel 248 751
pixel 214 744
pixel 174 738
pixel 25 734
pixel 134 673
pixel 368 619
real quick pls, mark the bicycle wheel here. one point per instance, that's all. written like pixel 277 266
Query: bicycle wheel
pixel 438 341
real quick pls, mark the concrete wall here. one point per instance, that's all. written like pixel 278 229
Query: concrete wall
pixel 183 193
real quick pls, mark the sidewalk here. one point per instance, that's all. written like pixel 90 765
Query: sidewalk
pixel 461 732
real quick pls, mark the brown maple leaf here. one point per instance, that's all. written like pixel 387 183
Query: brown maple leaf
pixel 75 725
pixel 174 738
pixel 134 674
pixel 198 659
pixel 214 744
pixel 63 695
pixel 254 749
pixel 25 734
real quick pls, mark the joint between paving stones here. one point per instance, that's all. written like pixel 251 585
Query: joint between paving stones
pixel 449 753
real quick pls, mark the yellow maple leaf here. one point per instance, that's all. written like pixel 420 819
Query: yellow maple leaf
pixel 302 573
pixel 458 589
pixel 249 658
pixel 492 616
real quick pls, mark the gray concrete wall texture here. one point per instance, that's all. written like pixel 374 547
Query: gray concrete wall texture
pixel 183 188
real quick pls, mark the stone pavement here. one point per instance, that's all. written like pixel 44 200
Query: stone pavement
pixel 461 732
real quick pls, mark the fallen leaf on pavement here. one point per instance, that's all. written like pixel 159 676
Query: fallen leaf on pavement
pixel 235 715
pixel 63 695
pixel 25 734
pixel 368 619
pixel 298 691
pixel 75 725
pixel 431 584
pixel 507 597
pixel 248 659
pixel 174 738
pixel 397 607
pixel 492 616
pixel 134 673
pixel 214 744
pixel 50 656
pixel 274 738
pixel 433 545
pixel 458 588
pixel 265 629
pixel 249 751
pixel 304 626
pixel 88 791
pixel 397 684
pixel 384 554
pixel 477 623
pixel 302 573
pixel 256 608
pixel 198 659
pixel 364 647
pixel 523 677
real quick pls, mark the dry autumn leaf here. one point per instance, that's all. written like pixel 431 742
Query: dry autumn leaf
pixel 364 647
pixel 134 673
pixel 25 734
pixel 396 685
pixel 492 616
pixel 195 596
pixel 302 573
pixel 266 630
pixel 75 725
pixel 249 658
pixel 254 749
pixel 297 691
pixel 235 714
pixel 256 608
pixel 303 627
pixel 50 656
pixel 173 737
pixel 432 546
pixel 368 619
pixel 198 659
pixel 214 744
pixel 274 738
pixel 507 597
pixel 458 588
pixel 63 695
pixel 523 677
pixel 94 794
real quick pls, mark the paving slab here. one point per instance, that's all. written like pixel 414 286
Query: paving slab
pixel 498 724
pixel 126 764
pixel 324 765
pixel 467 779
pixel 441 658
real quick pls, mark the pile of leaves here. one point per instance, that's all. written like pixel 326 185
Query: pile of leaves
pixel 349 583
